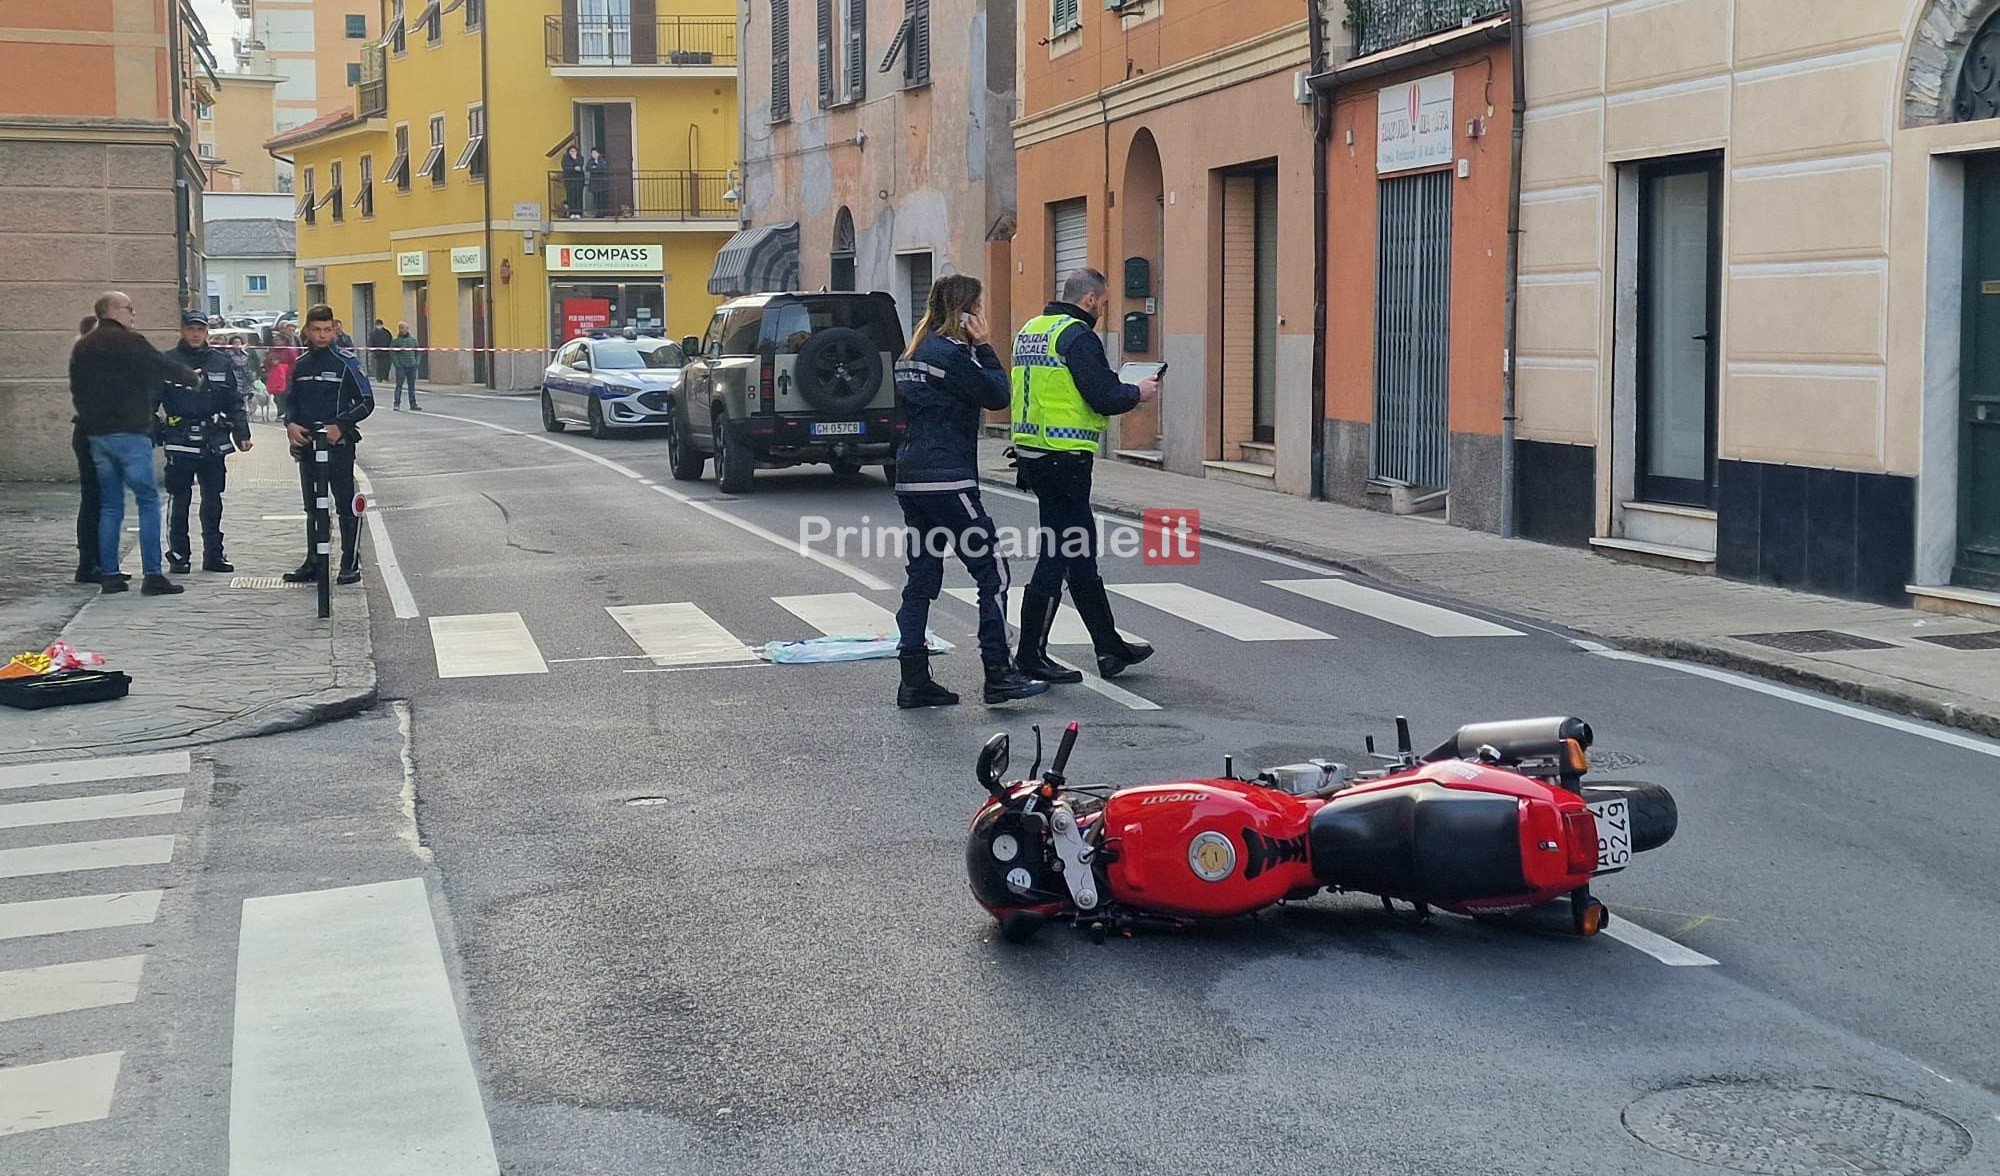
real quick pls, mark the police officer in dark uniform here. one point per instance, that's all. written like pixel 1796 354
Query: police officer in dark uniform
pixel 328 390
pixel 205 422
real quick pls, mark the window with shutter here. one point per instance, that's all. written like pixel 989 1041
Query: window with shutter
pixel 857 50
pixel 781 60
pixel 918 67
pixel 1064 16
pixel 825 53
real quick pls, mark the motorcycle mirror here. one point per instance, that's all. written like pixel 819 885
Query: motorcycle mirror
pixel 992 765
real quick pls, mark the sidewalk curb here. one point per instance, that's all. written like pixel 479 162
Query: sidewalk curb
pixel 1927 706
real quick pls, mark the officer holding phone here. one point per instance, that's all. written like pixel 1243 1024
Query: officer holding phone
pixel 1064 394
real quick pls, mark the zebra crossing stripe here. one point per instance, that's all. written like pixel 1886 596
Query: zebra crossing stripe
pixel 1220 614
pixel 678 634
pixel 83 912
pixel 63 857
pixel 839 613
pixel 56 1094
pixel 481 645
pixel 66 988
pixel 159 802
pixel 1068 629
pixel 1415 615
pixel 82 771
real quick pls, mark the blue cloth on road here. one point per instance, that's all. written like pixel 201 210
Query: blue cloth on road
pixel 839 648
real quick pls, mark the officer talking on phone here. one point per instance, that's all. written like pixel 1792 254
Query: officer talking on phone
pixel 1064 394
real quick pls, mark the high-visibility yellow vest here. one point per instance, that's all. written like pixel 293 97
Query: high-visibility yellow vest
pixel 1049 410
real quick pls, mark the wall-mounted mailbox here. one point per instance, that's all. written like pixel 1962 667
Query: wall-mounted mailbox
pixel 1138 277
pixel 1138 333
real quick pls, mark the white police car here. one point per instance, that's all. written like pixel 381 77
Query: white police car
pixel 610 383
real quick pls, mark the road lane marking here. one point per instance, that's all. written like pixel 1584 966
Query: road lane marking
pixel 157 803
pixel 483 645
pixel 1117 694
pixel 1068 629
pixel 81 912
pixel 1219 614
pixel 1658 946
pixel 1415 615
pixel 67 988
pixel 400 598
pixel 83 771
pixel 1952 738
pixel 66 857
pixel 843 614
pixel 56 1094
pixel 679 634
pixel 348 1055
pixel 859 576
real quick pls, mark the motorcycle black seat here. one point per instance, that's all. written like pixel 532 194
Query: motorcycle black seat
pixel 1421 841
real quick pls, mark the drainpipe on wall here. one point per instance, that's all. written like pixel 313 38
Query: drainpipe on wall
pixel 183 145
pixel 1322 133
pixel 492 291
pixel 1509 501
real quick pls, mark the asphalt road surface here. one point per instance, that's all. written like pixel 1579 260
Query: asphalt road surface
pixel 706 914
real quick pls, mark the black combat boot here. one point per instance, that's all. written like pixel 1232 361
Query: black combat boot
pixel 216 563
pixel 1038 616
pixel 305 573
pixel 1004 683
pixel 158 585
pixel 1114 653
pixel 179 565
pixel 917 689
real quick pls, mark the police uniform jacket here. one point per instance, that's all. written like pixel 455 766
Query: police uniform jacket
pixel 218 392
pixel 328 388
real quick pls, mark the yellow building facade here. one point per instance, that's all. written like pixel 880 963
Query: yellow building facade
pixel 439 198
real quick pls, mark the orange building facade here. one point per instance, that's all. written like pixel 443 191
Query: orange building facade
pixel 1419 172
pixel 1165 144
pixel 100 186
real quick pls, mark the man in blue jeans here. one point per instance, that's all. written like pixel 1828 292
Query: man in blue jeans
pixel 115 381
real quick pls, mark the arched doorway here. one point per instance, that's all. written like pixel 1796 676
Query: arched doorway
pixel 843 250
pixel 1143 238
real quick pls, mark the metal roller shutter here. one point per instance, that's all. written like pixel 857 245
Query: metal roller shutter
pixel 1413 331
pixel 1072 239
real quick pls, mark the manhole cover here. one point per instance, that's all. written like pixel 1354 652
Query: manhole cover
pixel 1813 1131
pixel 1814 641
pixel 263 582
pixel 1603 760
pixel 1989 640
pixel 640 801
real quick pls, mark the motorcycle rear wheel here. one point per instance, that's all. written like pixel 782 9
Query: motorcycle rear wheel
pixel 1655 816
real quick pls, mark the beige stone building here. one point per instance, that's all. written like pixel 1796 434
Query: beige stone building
pixel 1760 299
pixel 99 186
pixel 232 132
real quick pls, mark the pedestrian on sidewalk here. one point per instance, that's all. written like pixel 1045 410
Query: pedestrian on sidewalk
pixel 89 503
pixel 1064 393
pixel 115 379
pixel 947 376
pixel 330 391
pixel 205 422
pixel 379 341
pixel 409 356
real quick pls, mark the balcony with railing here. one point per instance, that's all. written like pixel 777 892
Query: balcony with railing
pixel 1381 25
pixel 619 195
pixel 696 44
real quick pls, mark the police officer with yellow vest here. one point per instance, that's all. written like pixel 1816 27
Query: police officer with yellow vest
pixel 1064 393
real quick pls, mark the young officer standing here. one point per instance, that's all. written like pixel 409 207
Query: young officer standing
pixel 1064 391
pixel 204 423
pixel 328 390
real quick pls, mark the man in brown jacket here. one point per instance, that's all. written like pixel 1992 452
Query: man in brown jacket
pixel 115 380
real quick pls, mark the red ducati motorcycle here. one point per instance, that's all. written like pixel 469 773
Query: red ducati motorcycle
pixel 1493 821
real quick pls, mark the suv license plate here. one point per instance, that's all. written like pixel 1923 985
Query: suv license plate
pixel 1614 834
pixel 837 428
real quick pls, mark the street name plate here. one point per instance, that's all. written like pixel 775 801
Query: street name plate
pixel 527 211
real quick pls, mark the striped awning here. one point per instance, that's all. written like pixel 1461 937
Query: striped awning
pixel 762 260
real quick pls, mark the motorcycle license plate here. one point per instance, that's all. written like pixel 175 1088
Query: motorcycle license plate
pixel 836 428
pixel 1614 834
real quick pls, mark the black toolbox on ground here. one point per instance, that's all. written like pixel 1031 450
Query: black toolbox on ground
pixel 45 690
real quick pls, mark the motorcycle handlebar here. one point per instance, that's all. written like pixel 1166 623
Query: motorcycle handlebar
pixel 1062 753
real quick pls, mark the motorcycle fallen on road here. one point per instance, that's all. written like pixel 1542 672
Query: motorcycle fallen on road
pixel 1494 821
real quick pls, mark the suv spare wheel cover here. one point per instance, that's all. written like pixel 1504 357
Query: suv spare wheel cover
pixel 839 371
